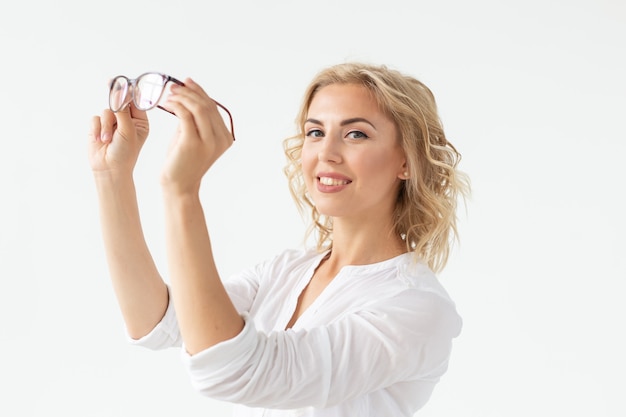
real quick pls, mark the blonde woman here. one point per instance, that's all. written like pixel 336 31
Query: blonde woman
pixel 358 325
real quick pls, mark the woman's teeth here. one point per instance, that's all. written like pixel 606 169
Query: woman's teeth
pixel 332 181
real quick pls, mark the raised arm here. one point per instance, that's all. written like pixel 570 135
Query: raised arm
pixel 114 145
pixel 206 315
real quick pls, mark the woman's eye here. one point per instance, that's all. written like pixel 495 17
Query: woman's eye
pixel 356 134
pixel 315 133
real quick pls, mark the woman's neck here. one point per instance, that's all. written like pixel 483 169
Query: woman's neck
pixel 362 244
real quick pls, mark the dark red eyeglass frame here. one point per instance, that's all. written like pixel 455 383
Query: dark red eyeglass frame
pixel 166 79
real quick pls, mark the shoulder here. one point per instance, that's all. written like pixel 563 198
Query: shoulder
pixel 401 290
pixel 402 274
pixel 399 302
pixel 416 275
pixel 421 299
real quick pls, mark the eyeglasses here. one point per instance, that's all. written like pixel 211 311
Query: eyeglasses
pixel 145 92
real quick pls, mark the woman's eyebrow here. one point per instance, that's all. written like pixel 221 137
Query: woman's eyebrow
pixel 314 121
pixel 344 122
pixel 356 120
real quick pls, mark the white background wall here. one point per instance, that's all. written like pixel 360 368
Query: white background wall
pixel 532 93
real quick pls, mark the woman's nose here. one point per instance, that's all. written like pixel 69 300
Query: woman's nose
pixel 330 150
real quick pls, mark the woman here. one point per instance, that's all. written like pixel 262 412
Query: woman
pixel 358 326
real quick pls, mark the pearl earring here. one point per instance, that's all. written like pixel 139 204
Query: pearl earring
pixel 406 174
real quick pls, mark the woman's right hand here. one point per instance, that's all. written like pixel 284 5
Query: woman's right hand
pixel 116 140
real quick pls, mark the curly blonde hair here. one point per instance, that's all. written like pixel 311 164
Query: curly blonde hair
pixel 425 212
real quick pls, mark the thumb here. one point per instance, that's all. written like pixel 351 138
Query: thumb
pixel 124 122
pixel 132 122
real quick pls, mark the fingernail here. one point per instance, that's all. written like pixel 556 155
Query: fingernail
pixel 105 137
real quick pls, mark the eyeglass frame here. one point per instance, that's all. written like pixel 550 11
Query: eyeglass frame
pixel 167 78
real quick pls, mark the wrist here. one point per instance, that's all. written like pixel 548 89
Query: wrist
pixel 176 192
pixel 113 176
pixel 174 189
pixel 114 186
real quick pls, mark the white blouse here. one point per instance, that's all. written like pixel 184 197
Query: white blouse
pixel 374 343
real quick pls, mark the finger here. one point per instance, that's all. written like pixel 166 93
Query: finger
pixel 96 128
pixel 208 121
pixel 124 122
pixel 108 125
pixel 192 91
pixel 194 87
pixel 135 113
pixel 187 125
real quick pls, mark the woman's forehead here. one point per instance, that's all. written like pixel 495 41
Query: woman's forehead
pixel 350 100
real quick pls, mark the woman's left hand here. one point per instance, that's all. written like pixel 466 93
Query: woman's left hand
pixel 202 137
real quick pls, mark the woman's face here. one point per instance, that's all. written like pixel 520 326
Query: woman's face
pixel 352 160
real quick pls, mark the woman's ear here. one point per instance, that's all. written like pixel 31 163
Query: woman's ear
pixel 404 174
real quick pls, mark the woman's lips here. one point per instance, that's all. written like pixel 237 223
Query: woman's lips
pixel 332 183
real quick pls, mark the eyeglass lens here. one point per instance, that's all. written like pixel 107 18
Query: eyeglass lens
pixel 149 90
pixel 118 93
pixel 145 91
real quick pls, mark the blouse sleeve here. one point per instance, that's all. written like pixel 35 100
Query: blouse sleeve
pixel 241 288
pixel 407 337
pixel 164 335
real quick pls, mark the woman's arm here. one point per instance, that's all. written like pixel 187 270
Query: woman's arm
pixel 114 145
pixel 206 315
pixel 405 339
pixel 140 291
